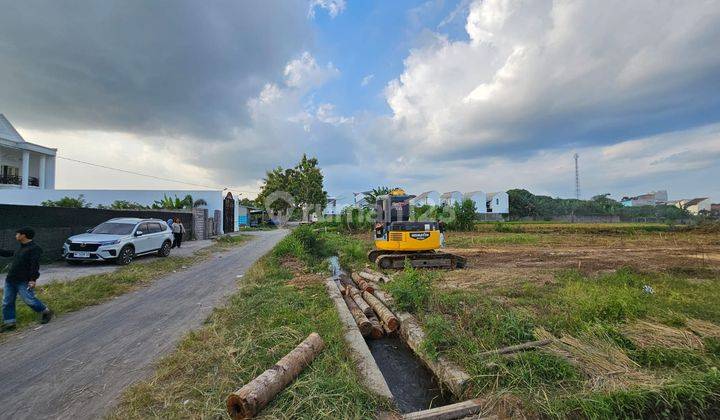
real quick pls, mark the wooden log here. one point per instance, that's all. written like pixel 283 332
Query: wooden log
pixel 357 297
pixel 518 347
pixel 382 277
pixel 247 401
pixel 362 283
pixel 377 329
pixel 340 286
pixel 360 319
pixel 448 412
pixel 387 317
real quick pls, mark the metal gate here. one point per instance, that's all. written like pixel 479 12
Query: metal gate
pixel 229 213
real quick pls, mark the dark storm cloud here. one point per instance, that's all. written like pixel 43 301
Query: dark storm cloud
pixel 178 68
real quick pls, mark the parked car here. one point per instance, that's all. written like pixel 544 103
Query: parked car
pixel 119 240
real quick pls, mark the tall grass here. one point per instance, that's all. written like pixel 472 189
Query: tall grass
pixel 263 321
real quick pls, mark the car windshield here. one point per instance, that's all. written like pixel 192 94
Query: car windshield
pixel 114 229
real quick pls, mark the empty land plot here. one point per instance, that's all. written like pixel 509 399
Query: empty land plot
pixel 631 309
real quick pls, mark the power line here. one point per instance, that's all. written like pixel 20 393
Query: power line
pixel 150 176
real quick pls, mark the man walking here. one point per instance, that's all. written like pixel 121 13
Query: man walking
pixel 24 272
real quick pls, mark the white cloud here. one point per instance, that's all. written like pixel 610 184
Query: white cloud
pixel 367 79
pixel 304 72
pixel 539 74
pixel 333 7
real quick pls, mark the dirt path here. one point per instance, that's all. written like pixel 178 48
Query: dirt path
pixel 78 365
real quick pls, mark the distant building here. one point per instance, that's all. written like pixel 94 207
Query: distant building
pixel 650 199
pixel 480 200
pixel 498 202
pixel 331 208
pixel 694 206
pixel 451 198
pixel 715 209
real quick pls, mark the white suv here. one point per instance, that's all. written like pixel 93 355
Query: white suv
pixel 119 240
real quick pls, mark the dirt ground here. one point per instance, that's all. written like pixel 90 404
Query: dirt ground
pixel 492 262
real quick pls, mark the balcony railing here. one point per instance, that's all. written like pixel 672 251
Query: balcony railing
pixel 17 180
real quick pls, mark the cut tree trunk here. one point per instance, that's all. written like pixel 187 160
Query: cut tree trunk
pixel 247 401
pixel 372 277
pixel 362 283
pixel 360 319
pixel 377 329
pixel 357 297
pixel 382 277
pixel 387 317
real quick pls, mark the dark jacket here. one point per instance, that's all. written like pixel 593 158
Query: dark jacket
pixel 26 263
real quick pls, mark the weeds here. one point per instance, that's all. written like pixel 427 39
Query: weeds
pixel 264 320
pixel 411 289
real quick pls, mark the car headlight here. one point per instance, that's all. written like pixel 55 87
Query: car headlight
pixel 68 241
pixel 115 242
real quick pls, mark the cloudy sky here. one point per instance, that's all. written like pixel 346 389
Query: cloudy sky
pixel 441 94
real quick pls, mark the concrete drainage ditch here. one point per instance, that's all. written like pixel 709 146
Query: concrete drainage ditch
pixel 393 367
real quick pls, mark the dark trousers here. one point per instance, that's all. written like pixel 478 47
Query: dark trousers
pixel 178 240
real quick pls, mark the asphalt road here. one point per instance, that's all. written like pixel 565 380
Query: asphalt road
pixel 78 365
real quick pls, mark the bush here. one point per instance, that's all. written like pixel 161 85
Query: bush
pixel 77 203
pixel 464 216
pixel 411 289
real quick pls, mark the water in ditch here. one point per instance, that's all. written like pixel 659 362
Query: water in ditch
pixel 413 386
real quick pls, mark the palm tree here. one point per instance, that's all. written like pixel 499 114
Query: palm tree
pixel 372 196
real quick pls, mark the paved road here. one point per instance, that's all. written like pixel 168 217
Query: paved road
pixel 77 366
pixel 63 272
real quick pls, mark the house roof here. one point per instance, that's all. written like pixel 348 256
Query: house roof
pixel 8 132
pixel 695 201
pixel 9 137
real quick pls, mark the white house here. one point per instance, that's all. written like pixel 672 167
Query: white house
pixel 451 197
pixel 694 206
pixel 480 200
pixel 498 202
pixel 27 177
pixel 428 198
pixel 24 165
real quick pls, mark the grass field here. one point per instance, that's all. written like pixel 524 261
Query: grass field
pixel 64 297
pixel 620 349
pixel 632 309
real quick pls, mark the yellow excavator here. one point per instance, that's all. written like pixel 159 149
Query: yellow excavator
pixel 397 238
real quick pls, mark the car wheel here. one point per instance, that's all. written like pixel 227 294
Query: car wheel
pixel 164 250
pixel 74 262
pixel 125 256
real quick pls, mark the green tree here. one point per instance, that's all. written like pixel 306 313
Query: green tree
pixel 276 181
pixel 371 197
pixel 304 183
pixel 465 214
pixel 307 185
pixel 78 202
pixel 248 202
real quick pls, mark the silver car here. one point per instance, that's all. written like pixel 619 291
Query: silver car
pixel 119 240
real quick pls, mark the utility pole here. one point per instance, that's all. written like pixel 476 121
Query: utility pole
pixel 577 177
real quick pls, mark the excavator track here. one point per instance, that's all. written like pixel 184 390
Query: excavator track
pixel 417 259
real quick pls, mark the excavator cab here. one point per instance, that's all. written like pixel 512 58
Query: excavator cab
pixel 397 238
